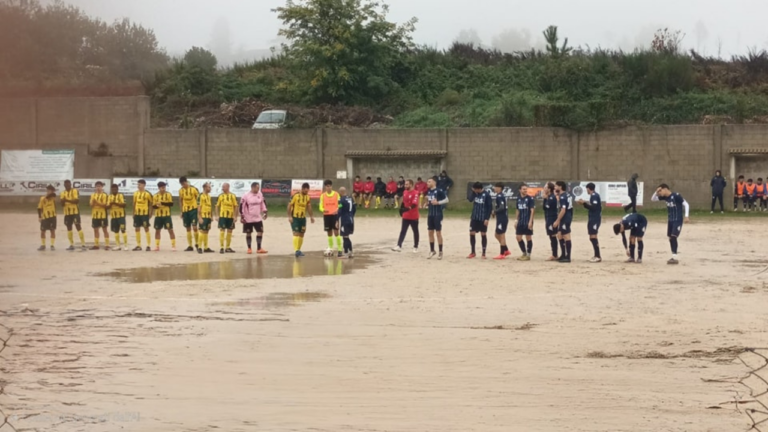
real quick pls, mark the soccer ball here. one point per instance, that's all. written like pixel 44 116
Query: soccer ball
pixel 328 253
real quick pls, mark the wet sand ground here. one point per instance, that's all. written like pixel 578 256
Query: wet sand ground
pixel 398 343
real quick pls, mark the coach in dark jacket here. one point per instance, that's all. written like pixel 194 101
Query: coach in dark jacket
pixel 718 187
pixel 632 192
pixel 444 182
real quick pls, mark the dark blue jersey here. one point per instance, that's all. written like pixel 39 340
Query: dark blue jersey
pixel 595 207
pixel 347 210
pixel 634 220
pixel 550 209
pixel 525 206
pixel 439 195
pixel 502 208
pixel 482 205
pixel 675 207
pixel 566 202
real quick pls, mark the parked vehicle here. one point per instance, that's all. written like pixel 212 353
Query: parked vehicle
pixel 271 119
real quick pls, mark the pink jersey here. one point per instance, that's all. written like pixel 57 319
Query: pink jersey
pixel 252 206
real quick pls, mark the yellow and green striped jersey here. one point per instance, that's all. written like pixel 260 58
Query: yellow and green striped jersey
pixel 115 211
pixel 98 200
pixel 206 209
pixel 158 200
pixel 226 205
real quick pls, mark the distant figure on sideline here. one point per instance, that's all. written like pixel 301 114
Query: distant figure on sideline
pixel 718 184
pixel 632 193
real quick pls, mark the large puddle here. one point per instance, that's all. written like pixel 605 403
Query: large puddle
pixel 271 267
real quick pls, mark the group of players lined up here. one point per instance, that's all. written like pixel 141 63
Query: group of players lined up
pixel 558 217
pixel 109 210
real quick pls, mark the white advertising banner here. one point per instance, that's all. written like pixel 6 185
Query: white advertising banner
pixel 129 185
pixel 37 165
pixel 315 187
pixel 615 194
pixel 34 188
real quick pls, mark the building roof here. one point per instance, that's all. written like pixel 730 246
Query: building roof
pixel 401 154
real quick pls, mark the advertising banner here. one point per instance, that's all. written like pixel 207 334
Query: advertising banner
pixel 37 165
pixel 34 188
pixel 315 187
pixel 276 188
pixel 613 194
pixel 129 185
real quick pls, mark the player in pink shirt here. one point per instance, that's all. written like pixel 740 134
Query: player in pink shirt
pixel 253 213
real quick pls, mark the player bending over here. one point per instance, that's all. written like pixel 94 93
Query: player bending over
pixel 298 209
pixel 99 201
pixel 46 215
pixel 70 201
pixel 204 215
pixel 677 211
pixel 636 224
pixel 564 220
pixel 162 202
pixel 116 203
pixel 525 209
pixel 482 206
pixel 436 201
pixel 595 218
pixel 501 213
pixel 347 210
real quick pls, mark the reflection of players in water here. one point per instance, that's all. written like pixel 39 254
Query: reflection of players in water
pixel 226 270
pixel 334 267
pixel 203 271
pixel 298 267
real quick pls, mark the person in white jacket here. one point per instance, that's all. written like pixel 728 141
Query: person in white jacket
pixel 253 213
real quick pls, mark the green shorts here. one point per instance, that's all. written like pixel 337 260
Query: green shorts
pixel 226 223
pixel 117 225
pixel 99 223
pixel 206 224
pixel 141 221
pixel 70 220
pixel 299 225
pixel 48 224
pixel 189 218
pixel 163 222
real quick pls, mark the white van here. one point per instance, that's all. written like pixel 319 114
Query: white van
pixel 271 119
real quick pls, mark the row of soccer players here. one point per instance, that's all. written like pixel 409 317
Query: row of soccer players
pixel 558 217
pixel 197 216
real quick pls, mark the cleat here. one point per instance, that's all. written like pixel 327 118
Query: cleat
pixel 397 249
pixel 261 251
pixel 299 254
pixel 53 248
pixel 41 248
pixel 149 249
pixel 250 251
pixel 126 248
pixel 672 261
pixel 71 248
pixel 507 253
pixel 500 257
pixel 209 250
pixel 221 251
pixel 564 260
pixel 157 249
pixel 341 254
pixel 524 258
pixel 229 250
pixel 431 255
pixel 189 249
pixel 350 255
pixel 630 261
pixel 471 256
pixel 711 212
pixel 415 250
pixel 106 248
pixel 117 249
pixel 595 260
pixel 199 251
pixel 440 256
pixel 639 261
pixel 553 258
pixel 173 249
pixel 94 247
pixel 84 247
pixel 484 257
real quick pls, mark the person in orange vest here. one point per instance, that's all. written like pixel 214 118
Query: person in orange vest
pixel 761 195
pixel 749 194
pixel 329 205
pixel 739 193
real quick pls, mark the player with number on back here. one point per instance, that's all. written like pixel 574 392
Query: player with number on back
pixel 436 201
pixel 116 203
pixel 636 224
pixel 526 208
pixel 347 210
pixel 595 208
pixel 482 206
pixel 551 210
pixel 564 220
pixel 501 213
pixel 677 211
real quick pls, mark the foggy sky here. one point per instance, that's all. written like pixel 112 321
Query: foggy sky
pixel 734 26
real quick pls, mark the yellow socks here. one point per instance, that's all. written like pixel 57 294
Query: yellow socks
pixel 204 240
pixel 295 243
pixel 53 240
pixel 157 242
pixel 106 241
pixel 198 238
pixel 229 239
pixel 301 242
pixel 71 237
pixel 125 239
pixel 117 240
pixel 82 237
pixel 149 239
pixel 189 238
pixel 42 240
pixel 221 239
pixel 330 242
pixel 138 239
pixel 173 243
pixel 338 244
pixel 96 241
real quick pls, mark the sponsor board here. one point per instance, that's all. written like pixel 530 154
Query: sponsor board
pixel 37 165
pixel 129 185
pixel 613 194
pixel 31 187
pixel 315 187
pixel 88 186
pixel 276 188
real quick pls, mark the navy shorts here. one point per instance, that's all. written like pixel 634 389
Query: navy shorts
pixel 565 227
pixel 522 230
pixel 347 230
pixel 501 226
pixel 477 226
pixel 593 227
pixel 674 228
pixel 550 229
pixel 435 223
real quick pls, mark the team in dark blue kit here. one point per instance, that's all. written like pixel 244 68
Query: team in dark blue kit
pixel 436 201
pixel 595 209
pixel 677 211
pixel 551 210
pixel 482 207
pixel 347 210
pixel 564 220
pixel 501 214
pixel 635 223
pixel 525 209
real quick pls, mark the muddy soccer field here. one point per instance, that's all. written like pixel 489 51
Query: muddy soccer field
pixel 139 341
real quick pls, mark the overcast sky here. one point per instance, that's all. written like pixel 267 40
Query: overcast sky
pixel 733 26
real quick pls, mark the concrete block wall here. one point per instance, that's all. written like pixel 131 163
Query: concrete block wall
pixel 173 153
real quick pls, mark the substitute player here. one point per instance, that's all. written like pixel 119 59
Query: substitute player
pixel 636 224
pixel 298 210
pixel 368 188
pixel 421 187
pixel 482 206
pixel 595 218
pixel 253 213
pixel 524 212
pixel 409 211
pixel 162 202
pixel 70 201
pixel 677 211
pixel 116 204
pixel 204 215
pixel 188 196
pixel 226 205
pixel 551 210
pixel 143 204
pixel 347 210
pixel 391 192
pixel 329 205
pixel 501 213
pixel 436 201
pixel 357 191
pixel 99 201
pixel 564 220
pixel 46 215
